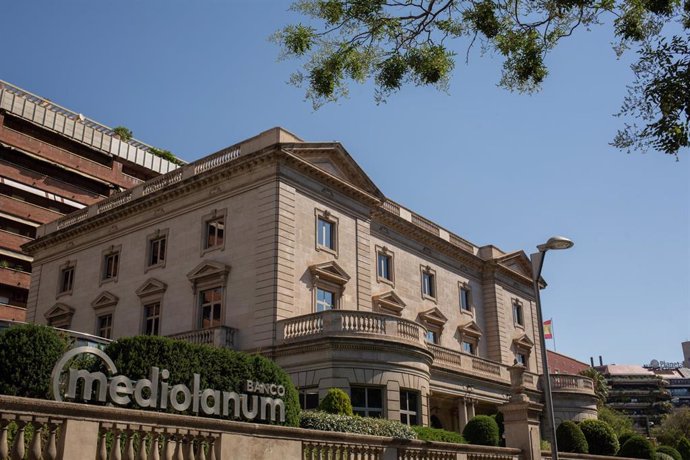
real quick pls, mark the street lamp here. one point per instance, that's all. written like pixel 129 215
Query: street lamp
pixel 556 242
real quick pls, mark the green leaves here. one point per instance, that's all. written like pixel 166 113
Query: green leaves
pixel 297 39
pixel 483 18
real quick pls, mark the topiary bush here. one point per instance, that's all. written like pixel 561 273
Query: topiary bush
pixel 601 438
pixel 637 447
pixel 317 420
pixel 662 456
pixel 481 430
pixel 336 402
pixel 683 448
pixel 219 368
pixel 668 450
pixel 570 438
pixel 625 436
pixel 498 416
pixel 28 353
pixel 427 433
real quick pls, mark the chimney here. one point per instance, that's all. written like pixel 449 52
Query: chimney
pixel 591 361
pixel 601 361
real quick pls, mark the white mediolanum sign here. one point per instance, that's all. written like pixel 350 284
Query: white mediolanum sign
pixel 156 393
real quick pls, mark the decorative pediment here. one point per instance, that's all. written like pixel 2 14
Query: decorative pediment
pixel 330 271
pixel 208 269
pixel 470 329
pixel 523 342
pixel 105 299
pixel 151 286
pixel 433 317
pixel 60 315
pixel 518 262
pixel 389 302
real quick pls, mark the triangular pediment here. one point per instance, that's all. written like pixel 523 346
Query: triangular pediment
pixel 470 329
pixel 523 342
pixel 330 271
pixel 208 269
pixel 105 299
pixel 517 262
pixel 433 317
pixel 333 159
pixel 150 287
pixel 389 302
pixel 59 310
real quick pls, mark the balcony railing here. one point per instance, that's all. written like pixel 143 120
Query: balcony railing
pixel 568 383
pixel 221 336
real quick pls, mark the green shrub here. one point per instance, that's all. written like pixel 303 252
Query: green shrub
pixel 620 422
pixel 336 402
pixel 601 438
pixel 28 353
pixel 124 133
pixel 427 433
pixel 218 368
pixel 317 420
pixel 668 450
pixel 481 430
pixel 625 436
pixel 570 438
pixel 637 447
pixel 683 448
pixel 662 456
pixel 498 416
pixel 544 445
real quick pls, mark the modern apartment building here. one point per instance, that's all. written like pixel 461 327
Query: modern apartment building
pixel 287 248
pixel 52 162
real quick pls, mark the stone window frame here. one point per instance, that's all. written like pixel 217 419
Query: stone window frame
pixel 104 304
pixel 523 345
pixel 464 285
pixel 407 411
pixel 99 326
pixel 217 277
pixel 60 316
pixel 151 292
pixel 68 265
pixel 427 270
pixel 331 277
pixel 327 216
pixel 329 286
pixel 112 250
pixel 366 409
pixel 206 219
pixel 433 321
pixel 145 318
pixel 150 239
pixel 383 250
pixel 470 333
pixel 519 307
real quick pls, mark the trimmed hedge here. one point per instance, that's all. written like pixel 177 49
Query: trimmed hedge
pixel 683 448
pixel 336 402
pixel 323 421
pixel 426 433
pixel 570 438
pixel 481 430
pixel 625 436
pixel 28 353
pixel 668 450
pixel 600 437
pixel 219 368
pixel 637 447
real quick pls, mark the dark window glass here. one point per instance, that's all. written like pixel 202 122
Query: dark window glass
pixel 110 266
pixel 309 398
pixel 324 300
pixel 105 326
pixel 325 234
pixel 215 233
pixel 66 279
pixel 384 267
pixel 210 307
pixel 428 284
pixel 465 299
pixel 157 251
pixel 367 402
pixel 408 407
pixel 152 318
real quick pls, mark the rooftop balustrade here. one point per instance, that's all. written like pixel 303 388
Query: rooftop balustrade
pixel 220 336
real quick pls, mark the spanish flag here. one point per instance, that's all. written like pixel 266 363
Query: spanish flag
pixel 548 329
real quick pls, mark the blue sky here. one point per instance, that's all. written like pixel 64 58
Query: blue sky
pixel 495 167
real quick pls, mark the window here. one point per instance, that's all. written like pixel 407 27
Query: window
pixel 428 283
pixel 518 318
pixel 432 337
pixel 325 300
pixel 210 303
pixel 309 398
pixel 157 249
pixel 326 232
pixel 384 265
pixel 66 280
pixel 367 402
pixel 408 407
pixel 215 233
pixel 468 347
pixel 465 298
pixel 152 318
pixel 105 326
pixel 111 262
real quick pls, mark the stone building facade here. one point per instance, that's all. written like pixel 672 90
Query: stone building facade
pixel 52 162
pixel 287 248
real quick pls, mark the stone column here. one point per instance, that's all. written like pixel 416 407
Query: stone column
pixel 78 440
pixel 470 409
pixel 462 414
pixel 521 418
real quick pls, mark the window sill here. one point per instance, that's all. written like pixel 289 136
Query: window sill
pixel 153 267
pixel 328 250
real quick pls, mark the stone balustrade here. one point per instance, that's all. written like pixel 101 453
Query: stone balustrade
pixel 73 431
pixel 220 336
pixel 568 383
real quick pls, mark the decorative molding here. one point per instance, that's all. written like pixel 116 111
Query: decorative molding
pixel 151 286
pixel 105 299
pixel 330 271
pixel 389 302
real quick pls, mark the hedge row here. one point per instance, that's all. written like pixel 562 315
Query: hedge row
pixel 317 420
pixel 426 433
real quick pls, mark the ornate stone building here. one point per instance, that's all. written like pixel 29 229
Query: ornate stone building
pixel 287 248
pixel 54 161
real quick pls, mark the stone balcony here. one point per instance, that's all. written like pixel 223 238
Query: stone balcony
pixel 388 328
pixel 220 336
pixel 573 397
pixel 568 383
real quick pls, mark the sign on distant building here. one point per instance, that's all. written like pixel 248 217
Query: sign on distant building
pixel 654 364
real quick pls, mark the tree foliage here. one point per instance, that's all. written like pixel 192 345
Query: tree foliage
pixel 674 426
pixel 620 422
pixel 399 42
pixel 570 438
pixel 601 388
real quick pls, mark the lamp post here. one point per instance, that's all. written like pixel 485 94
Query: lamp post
pixel 556 242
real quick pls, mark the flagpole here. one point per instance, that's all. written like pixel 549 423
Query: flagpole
pixel 553 332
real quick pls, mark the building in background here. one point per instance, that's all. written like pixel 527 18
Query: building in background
pixel 286 247
pixel 52 162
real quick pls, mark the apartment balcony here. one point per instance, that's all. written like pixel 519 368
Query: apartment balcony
pixel 12 241
pixel 27 211
pixel 221 336
pixel 15 278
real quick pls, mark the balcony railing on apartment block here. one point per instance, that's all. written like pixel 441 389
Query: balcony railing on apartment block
pixel 220 336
